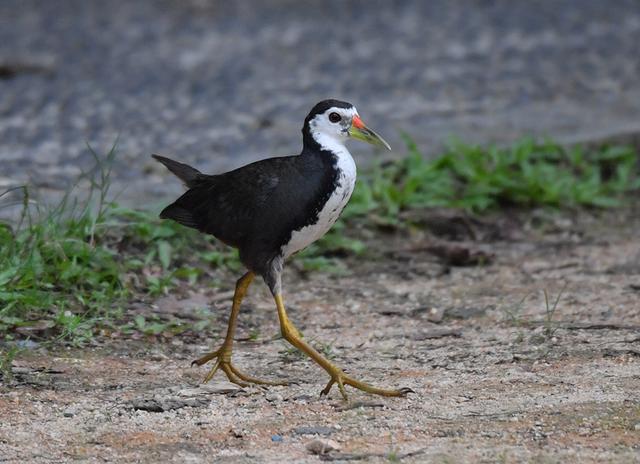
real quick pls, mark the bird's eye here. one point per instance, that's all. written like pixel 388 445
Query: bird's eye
pixel 335 117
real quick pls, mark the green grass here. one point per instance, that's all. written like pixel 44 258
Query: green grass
pixel 477 179
pixel 72 268
pixel 68 271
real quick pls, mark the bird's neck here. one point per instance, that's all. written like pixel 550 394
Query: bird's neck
pixel 333 153
pixel 314 140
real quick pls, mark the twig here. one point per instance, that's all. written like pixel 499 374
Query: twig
pixel 586 325
pixel 360 457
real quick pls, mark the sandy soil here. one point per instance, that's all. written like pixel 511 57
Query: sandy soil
pixel 497 377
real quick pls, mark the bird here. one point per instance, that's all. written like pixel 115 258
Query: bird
pixel 271 209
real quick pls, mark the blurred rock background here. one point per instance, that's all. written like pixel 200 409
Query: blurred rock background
pixel 218 84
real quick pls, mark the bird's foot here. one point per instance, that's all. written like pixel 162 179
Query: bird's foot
pixel 341 379
pixel 235 375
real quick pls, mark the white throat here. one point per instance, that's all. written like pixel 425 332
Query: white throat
pixel 332 143
pixel 335 145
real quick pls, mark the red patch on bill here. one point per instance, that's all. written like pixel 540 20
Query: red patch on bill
pixel 357 122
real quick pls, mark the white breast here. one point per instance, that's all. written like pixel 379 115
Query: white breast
pixel 333 207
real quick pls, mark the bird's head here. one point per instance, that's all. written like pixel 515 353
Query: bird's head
pixel 335 121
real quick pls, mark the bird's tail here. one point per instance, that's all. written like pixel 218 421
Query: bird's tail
pixel 186 173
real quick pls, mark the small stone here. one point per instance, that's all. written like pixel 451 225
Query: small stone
pixel 220 387
pixel 273 397
pixel 435 314
pixel 20 370
pixel 70 412
pixel 322 446
pixel 277 438
pixel 189 392
pixel 27 344
pixel 637 426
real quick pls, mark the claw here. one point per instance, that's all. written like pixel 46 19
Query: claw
pixel 325 391
pixel 405 391
pixel 206 358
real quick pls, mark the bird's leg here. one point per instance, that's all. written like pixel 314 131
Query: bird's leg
pixel 291 334
pixel 223 354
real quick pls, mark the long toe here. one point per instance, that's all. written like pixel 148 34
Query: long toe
pixel 248 378
pixel 342 380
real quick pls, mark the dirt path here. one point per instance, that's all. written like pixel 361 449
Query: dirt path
pixel 497 377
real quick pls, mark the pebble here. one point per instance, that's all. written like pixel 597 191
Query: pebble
pixel 70 411
pixel 27 344
pixel 274 397
pixel 321 446
pixel 220 387
pixel 435 314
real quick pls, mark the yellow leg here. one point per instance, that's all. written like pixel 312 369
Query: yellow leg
pixel 291 334
pixel 223 354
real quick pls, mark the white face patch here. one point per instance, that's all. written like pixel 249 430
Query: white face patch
pixel 331 127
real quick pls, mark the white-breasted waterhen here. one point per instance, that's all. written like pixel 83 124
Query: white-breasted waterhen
pixel 273 208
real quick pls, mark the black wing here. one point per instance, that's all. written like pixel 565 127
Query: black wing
pixel 227 205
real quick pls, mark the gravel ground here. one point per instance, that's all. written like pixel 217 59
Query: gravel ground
pixel 223 83
pixel 496 377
